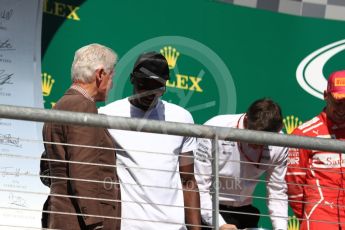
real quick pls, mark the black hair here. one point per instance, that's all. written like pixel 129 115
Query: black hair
pixel 264 115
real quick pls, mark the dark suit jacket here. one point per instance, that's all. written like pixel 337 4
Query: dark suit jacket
pixel 81 135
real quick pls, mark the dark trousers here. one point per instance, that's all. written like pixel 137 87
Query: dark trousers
pixel 244 219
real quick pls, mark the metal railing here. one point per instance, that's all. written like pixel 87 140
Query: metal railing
pixel 170 128
pixel 174 128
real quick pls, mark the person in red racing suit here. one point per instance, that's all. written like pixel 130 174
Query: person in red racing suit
pixel 316 178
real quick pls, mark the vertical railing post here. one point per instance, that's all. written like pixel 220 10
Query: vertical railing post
pixel 215 183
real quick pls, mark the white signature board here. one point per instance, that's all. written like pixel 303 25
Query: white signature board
pixel 20 141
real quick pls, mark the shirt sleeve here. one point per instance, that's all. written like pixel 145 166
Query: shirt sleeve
pixel 295 177
pixel 189 143
pixel 203 176
pixel 277 191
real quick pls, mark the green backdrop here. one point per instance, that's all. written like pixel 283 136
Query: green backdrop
pixel 229 55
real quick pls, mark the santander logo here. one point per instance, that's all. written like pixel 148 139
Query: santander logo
pixel 309 72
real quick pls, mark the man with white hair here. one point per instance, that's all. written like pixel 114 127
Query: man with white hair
pixel 82 200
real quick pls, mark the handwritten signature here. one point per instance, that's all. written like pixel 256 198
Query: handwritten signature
pixel 16 200
pixel 6 45
pixel 6 14
pixel 5 78
pixel 11 171
pixel 7 139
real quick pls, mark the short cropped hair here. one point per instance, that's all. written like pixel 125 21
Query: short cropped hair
pixel 89 58
pixel 264 115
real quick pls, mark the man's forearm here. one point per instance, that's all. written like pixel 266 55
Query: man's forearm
pixel 192 204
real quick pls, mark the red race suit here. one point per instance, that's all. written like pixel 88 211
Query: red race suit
pixel 316 178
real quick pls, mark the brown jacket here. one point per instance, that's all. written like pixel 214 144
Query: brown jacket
pixel 98 174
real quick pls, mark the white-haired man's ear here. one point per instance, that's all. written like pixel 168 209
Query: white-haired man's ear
pixel 99 76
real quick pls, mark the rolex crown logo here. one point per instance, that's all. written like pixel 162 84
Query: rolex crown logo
pixel 290 123
pixel 171 55
pixel 293 223
pixel 47 84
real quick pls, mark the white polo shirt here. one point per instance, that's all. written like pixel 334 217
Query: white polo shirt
pixel 148 168
pixel 239 175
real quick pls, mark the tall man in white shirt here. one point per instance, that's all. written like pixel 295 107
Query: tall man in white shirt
pixel 241 165
pixel 151 167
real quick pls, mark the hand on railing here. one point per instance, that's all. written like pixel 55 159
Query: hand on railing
pixel 227 227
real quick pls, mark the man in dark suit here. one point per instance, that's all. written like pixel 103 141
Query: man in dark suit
pixel 79 196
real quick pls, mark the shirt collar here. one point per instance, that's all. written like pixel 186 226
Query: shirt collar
pixel 83 92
